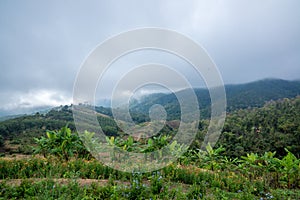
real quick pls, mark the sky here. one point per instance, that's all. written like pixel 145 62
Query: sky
pixel 44 43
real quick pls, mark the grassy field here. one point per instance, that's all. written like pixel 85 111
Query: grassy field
pixel 35 177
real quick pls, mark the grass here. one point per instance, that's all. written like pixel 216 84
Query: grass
pixel 39 178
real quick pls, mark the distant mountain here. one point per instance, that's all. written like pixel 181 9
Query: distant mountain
pixel 240 96
pixel 11 114
pixel 16 112
pixel 7 117
pixel 256 94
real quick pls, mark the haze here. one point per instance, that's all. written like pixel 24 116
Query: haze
pixel 44 43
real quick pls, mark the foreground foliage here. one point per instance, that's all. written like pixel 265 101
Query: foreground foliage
pixel 203 176
pixel 63 144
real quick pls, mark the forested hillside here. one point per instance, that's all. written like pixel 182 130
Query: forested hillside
pixel 273 127
pixel 249 95
pixel 19 132
pixel 256 121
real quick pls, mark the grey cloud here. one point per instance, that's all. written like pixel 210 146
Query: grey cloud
pixel 43 43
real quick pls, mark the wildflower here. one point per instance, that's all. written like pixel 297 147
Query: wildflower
pixel 269 196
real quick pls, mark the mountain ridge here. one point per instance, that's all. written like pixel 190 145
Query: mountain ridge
pixel 239 96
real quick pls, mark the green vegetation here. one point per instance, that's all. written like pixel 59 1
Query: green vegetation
pixel 274 127
pixel 251 177
pixel 241 96
pixel 63 144
pixel 19 133
pixel 256 157
pixel 67 172
pixel 270 128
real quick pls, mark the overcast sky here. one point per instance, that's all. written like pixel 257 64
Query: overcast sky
pixel 43 43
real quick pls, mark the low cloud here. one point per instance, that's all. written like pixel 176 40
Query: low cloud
pixel 43 44
pixel 33 100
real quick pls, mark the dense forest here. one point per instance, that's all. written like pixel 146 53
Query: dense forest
pixel 270 128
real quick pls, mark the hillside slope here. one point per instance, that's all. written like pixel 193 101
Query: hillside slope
pixel 249 95
pixel 274 127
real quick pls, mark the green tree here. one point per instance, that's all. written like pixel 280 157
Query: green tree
pixel 1 141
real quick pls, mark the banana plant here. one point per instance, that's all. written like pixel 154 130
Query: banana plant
pixel 63 144
pixel 66 148
pixel 270 167
pixel 128 144
pixel 290 167
pixel 250 159
pixel 249 165
pixel 42 146
pixel 229 163
pixel 270 163
pixel 89 140
pixel 177 150
pixel 212 157
pixel 149 148
pixel 114 147
pixel 161 141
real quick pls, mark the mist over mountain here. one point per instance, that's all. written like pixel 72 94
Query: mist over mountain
pixel 239 96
